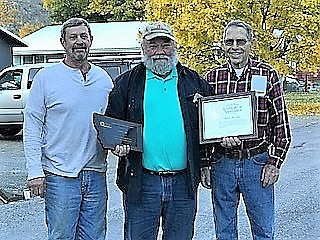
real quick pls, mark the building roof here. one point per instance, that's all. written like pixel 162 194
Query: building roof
pixel 111 37
pixel 12 39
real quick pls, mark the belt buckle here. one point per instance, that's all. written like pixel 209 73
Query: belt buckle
pixel 240 154
pixel 166 173
pixel 237 154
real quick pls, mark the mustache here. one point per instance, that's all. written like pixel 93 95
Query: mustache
pixel 79 46
pixel 160 56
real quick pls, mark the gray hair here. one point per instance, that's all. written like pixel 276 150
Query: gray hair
pixel 73 22
pixel 239 23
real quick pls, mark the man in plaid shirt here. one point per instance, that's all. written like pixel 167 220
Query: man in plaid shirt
pixel 248 167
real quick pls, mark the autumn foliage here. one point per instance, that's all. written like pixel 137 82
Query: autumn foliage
pixel 303 103
pixel 286 31
pixel 7 14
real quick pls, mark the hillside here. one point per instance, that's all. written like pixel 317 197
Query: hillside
pixel 32 12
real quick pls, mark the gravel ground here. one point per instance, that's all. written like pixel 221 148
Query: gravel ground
pixel 297 193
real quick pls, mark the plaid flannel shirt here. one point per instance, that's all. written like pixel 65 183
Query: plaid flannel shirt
pixel 273 125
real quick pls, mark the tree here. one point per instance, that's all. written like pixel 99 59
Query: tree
pixel 118 10
pixel 61 10
pixel 286 31
pixel 7 15
pixel 27 29
pixel 95 10
pixel 190 21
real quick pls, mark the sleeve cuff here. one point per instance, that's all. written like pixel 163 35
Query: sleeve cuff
pixel 275 162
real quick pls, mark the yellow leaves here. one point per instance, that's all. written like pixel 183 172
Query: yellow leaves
pixel 303 103
pixel 99 6
pixel 198 25
pixel 47 4
pixel 307 53
pixel 304 108
pixel 116 8
pixel 7 12
pixel 27 29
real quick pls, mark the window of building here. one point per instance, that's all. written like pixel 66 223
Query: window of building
pixel 39 59
pixel 27 59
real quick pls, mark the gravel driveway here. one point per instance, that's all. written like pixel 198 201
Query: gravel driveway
pixel 297 193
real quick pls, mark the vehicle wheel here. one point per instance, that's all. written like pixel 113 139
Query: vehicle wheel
pixel 9 131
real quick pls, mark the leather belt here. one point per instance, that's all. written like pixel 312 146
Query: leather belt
pixel 166 173
pixel 243 153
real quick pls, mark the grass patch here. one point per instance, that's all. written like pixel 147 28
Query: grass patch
pixel 303 103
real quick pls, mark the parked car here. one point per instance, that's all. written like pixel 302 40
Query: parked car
pixel 292 84
pixel 15 84
pixel 313 88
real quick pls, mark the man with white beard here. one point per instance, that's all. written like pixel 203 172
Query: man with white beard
pixel 162 181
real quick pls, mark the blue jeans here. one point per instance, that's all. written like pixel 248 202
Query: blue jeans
pixel 167 197
pixel 232 177
pixel 76 207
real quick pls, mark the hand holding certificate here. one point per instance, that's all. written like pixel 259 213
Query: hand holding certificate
pixel 227 115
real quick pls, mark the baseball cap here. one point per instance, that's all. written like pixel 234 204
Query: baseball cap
pixel 156 29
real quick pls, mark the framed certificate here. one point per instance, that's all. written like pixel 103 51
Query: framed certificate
pixel 112 132
pixel 230 115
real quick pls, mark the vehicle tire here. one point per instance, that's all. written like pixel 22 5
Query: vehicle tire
pixel 9 131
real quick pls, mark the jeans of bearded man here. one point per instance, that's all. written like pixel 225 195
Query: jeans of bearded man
pixel 76 208
pixel 165 197
pixel 232 177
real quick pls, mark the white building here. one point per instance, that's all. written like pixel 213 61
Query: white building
pixel 115 46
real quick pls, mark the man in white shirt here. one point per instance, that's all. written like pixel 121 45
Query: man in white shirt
pixel 65 163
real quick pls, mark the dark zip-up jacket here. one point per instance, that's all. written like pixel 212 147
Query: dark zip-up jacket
pixel 126 103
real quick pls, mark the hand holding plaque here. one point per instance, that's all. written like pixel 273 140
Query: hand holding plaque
pixel 112 132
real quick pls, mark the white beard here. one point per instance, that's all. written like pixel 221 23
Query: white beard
pixel 161 64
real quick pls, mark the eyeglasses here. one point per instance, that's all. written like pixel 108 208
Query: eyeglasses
pixel 239 42
pixel 164 46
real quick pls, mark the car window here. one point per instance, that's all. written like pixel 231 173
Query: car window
pixel 32 73
pixel 11 80
pixel 113 71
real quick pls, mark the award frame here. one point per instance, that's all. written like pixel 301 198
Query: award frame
pixel 113 131
pixel 227 115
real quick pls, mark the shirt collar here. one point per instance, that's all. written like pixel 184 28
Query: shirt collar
pixel 245 68
pixel 150 75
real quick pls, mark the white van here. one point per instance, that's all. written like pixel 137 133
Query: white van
pixel 15 83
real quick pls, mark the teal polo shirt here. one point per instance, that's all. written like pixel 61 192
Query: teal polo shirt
pixel 164 140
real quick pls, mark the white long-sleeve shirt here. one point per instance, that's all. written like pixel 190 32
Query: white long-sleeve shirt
pixel 59 136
